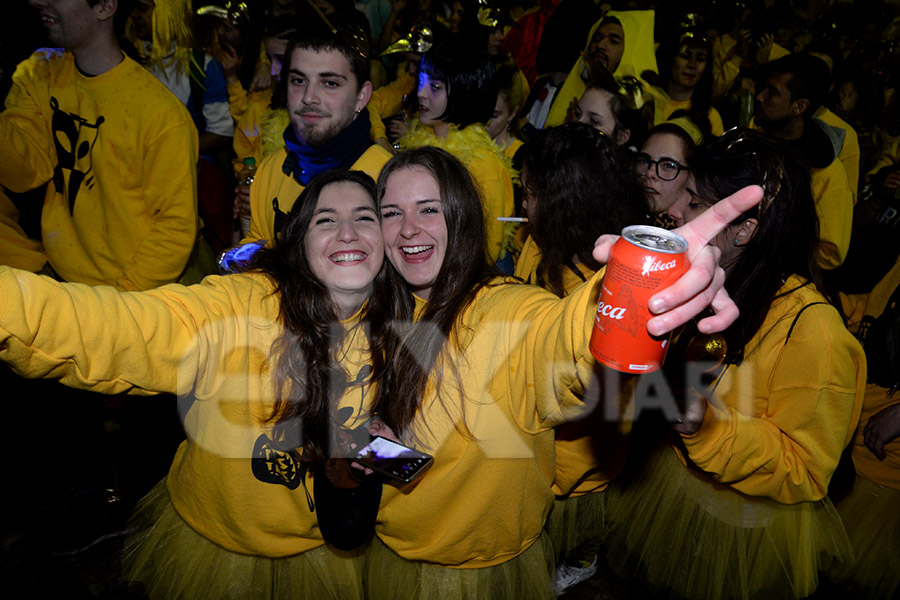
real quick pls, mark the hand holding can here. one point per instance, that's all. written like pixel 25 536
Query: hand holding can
pixel 702 286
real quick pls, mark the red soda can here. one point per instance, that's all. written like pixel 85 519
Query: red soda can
pixel 643 261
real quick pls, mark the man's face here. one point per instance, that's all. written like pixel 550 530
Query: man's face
pixel 323 95
pixel 142 19
pixel 773 103
pixel 70 24
pixel 607 45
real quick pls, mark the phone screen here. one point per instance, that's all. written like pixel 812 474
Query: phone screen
pixel 393 459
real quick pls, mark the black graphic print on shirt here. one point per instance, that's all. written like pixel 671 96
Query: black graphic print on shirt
pixel 74 139
pixel 270 463
pixel 280 218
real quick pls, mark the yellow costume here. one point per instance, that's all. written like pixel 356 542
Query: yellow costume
pixel 870 510
pixel 749 517
pixel 233 499
pixel 522 362
pixel 664 106
pixel 637 57
pixel 119 153
pixel 589 452
pixel 834 207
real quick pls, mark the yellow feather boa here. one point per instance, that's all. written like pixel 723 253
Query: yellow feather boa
pixel 271 130
pixel 464 144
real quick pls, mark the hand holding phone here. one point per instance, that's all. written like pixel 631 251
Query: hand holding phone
pixel 394 460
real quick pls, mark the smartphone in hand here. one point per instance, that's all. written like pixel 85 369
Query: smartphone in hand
pixel 394 460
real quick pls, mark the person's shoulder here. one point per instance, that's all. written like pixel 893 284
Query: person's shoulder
pixel 375 153
pixel 43 62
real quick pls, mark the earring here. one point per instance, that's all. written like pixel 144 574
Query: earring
pixel 737 242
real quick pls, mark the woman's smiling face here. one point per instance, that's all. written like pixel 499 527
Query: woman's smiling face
pixel 415 231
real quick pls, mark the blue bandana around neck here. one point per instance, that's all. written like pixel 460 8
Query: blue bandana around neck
pixel 305 162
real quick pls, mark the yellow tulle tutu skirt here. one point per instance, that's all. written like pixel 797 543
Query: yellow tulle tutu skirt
pixel 871 515
pixel 525 577
pixel 166 559
pixel 688 536
pixel 576 521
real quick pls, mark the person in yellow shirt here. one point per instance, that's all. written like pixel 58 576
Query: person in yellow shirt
pixel 793 90
pixel 869 509
pixel 486 368
pixel 117 151
pixel 737 505
pixel 268 365
pixel 577 187
pixel 622 41
pixel 685 83
pixel 326 84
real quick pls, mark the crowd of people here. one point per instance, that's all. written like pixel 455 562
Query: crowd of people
pixel 304 225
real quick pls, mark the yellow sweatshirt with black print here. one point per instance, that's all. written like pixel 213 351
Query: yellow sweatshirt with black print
pixel 211 344
pixel 119 154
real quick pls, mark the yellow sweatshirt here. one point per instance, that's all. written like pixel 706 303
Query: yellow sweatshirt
pixel 776 425
pixel 849 154
pixel 209 343
pixel 664 106
pixel 521 368
pixel 834 207
pixel 886 472
pixel 273 189
pixel 387 101
pixel 17 249
pixel 120 153
pixel 589 452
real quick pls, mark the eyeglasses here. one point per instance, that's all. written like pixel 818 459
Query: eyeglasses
pixel 666 168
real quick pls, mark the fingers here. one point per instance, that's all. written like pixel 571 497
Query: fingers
pixel 602 247
pixel 716 218
pixel 689 296
pixel 726 313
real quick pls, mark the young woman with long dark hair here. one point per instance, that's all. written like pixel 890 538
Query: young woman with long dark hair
pixel 484 369
pixel 269 365
pixel 740 508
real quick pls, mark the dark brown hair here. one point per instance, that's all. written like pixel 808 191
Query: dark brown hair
pixel 414 354
pixel 583 187
pixel 309 380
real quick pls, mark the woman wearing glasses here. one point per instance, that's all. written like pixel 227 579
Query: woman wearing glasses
pixel 663 165
pixel 736 507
